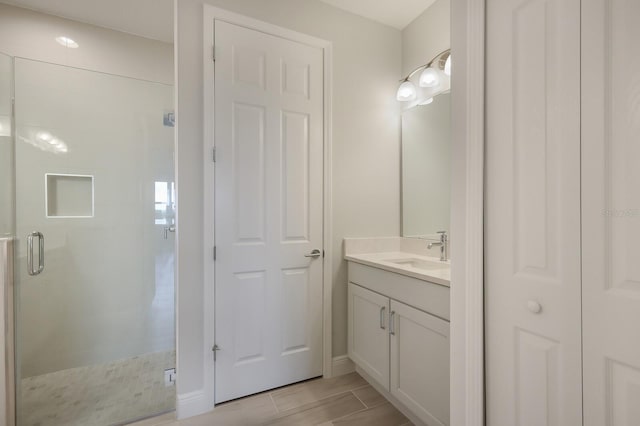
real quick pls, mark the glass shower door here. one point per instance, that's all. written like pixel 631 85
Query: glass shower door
pixel 94 190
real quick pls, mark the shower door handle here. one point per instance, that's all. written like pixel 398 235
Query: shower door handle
pixel 168 229
pixel 30 267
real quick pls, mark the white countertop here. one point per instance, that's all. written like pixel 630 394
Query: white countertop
pixel 381 260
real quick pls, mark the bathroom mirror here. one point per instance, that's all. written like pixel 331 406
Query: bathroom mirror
pixel 426 168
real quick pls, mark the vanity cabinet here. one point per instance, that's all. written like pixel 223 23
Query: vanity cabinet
pixel 404 349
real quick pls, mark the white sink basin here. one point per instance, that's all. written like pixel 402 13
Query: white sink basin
pixel 418 263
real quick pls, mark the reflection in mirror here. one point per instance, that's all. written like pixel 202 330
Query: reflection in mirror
pixel 426 168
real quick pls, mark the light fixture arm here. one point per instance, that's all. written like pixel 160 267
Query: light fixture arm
pixel 425 66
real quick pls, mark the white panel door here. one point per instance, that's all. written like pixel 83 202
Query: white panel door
pixel 533 307
pixel 420 363
pixel 268 215
pixel 611 211
pixel 368 342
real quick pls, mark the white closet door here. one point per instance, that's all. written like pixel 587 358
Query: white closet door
pixel 611 211
pixel 269 157
pixel 533 324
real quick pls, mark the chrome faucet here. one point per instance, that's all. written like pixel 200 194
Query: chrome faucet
pixel 443 244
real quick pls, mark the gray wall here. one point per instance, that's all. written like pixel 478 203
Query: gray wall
pixel 428 35
pixel 366 148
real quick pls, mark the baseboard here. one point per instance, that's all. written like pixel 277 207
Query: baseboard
pixel 342 365
pixel 192 404
pixel 195 403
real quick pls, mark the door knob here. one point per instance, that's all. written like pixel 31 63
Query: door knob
pixel 534 306
pixel 314 253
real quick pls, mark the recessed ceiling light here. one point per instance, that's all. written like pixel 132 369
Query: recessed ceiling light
pixel 67 42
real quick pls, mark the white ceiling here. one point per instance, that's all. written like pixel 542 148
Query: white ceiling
pixel 395 13
pixel 147 18
pixel 154 18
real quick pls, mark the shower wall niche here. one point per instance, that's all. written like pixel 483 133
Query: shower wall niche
pixel 68 196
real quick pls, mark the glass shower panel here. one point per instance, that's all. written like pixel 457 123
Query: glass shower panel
pixel 6 147
pixel 95 329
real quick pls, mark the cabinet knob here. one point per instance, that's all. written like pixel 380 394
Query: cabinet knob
pixel 534 306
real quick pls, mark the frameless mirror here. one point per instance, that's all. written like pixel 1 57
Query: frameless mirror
pixel 426 168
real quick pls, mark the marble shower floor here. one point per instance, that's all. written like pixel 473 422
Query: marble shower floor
pixel 99 395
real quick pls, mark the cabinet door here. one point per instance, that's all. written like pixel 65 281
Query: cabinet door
pixel 420 363
pixel 368 334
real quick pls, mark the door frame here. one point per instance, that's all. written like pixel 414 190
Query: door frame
pixel 467 219
pixel 211 13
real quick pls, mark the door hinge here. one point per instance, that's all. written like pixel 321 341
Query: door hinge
pixel 214 253
pixel 215 350
pixel 323 254
pixel 213 154
pixel 213 53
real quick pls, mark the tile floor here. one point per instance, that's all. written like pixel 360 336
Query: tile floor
pixel 99 395
pixel 345 400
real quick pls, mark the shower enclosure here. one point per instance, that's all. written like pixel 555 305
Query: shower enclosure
pixel 88 198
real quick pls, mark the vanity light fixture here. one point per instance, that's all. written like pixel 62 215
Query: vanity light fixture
pixel 430 77
pixel 447 65
pixel 407 91
pixel 425 101
pixel 67 42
